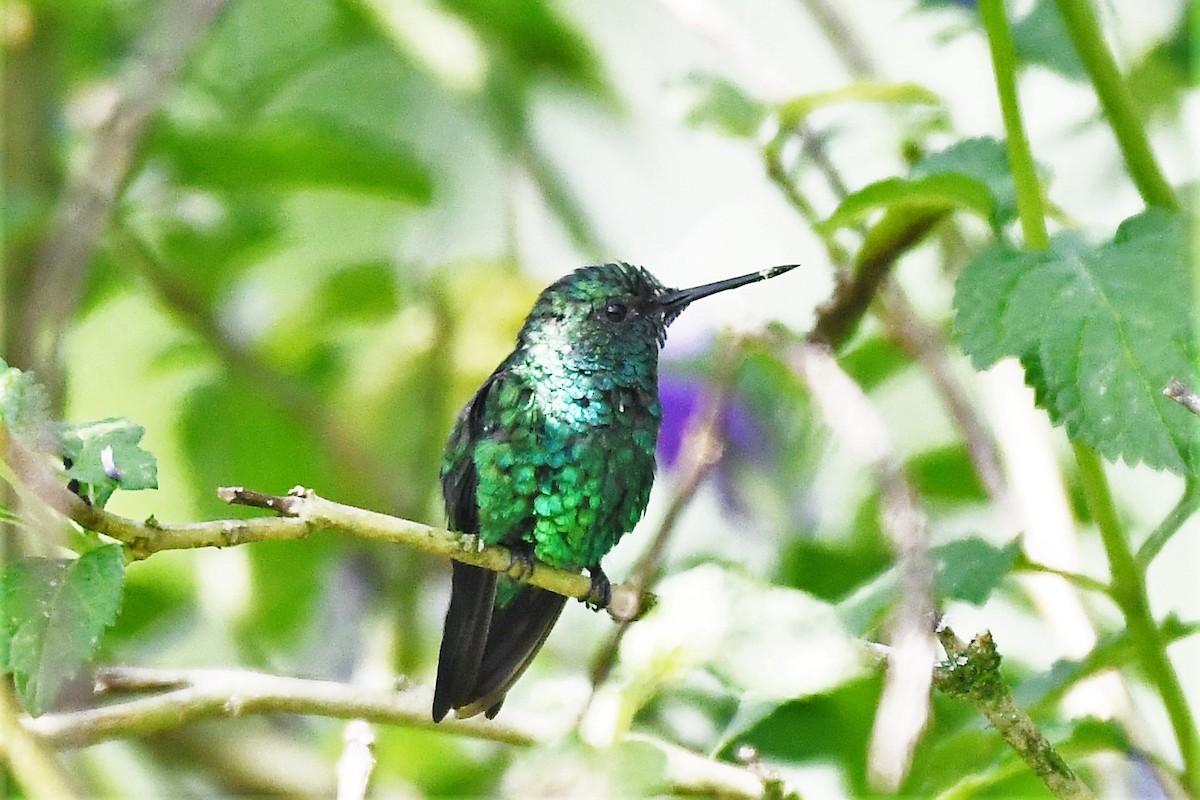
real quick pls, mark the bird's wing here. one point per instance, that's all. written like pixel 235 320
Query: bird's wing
pixel 472 589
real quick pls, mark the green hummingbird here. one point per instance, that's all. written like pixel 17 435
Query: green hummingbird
pixel 553 458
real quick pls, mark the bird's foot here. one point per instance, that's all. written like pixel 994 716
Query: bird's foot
pixel 600 592
pixel 521 562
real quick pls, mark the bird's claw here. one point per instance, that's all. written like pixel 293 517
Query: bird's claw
pixel 521 563
pixel 600 592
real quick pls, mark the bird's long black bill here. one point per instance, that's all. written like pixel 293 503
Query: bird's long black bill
pixel 675 300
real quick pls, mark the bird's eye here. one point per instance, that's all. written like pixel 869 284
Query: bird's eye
pixel 616 312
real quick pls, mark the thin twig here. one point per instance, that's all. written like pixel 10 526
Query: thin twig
pixel 303 514
pixel 972 672
pixel 91 192
pixel 925 345
pixel 904 706
pixel 196 694
pixel 27 757
pixel 1178 391
pixel 357 760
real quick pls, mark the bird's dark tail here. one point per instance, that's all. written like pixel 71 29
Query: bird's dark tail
pixel 464 637
pixel 518 631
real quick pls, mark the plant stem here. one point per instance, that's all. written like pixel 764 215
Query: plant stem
pixel 1030 205
pixel 1180 514
pixel 1128 578
pixel 1129 592
pixel 1117 102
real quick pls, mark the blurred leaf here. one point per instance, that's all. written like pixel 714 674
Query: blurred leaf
pixel 24 404
pixel 986 160
pixel 1041 38
pixel 828 571
pixel 1158 82
pixel 1115 650
pixel 723 106
pixel 793 112
pixel 360 293
pixel 830 727
pixel 256 48
pixel 742 630
pixel 947 474
pixel 234 434
pixel 569 768
pixel 945 190
pixel 52 616
pixel 971 569
pixel 105 456
pixel 291 152
pixel 874 359
pixel 1099 334
pixel 529 36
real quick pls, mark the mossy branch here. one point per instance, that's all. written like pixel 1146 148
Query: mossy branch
pixel 972 672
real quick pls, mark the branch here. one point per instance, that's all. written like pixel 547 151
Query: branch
pixel 904 705
pixel 27 758
pixel 91 192
pixel 972 672
pixel 302 513
pixel 196 694
pixel 1178 391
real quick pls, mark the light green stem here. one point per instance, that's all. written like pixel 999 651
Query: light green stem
pixel 1117 102
pixel 1129 593
pixel 1031 207
pixel 1128 576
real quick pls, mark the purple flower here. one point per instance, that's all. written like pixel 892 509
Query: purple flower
pixel 682 399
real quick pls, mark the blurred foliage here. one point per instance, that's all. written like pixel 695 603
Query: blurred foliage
pixel 321 250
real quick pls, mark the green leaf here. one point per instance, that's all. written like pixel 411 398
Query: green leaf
pixel 105 456
pixel 793 112
pixel 1115 650
pixel 971 569
pixel 52 616
pixel 986 160
pixel 24 404
pixel 723 106
pixel 1041 38
pixel 946 474
pixel 293 152
pixel 946 190
pixel 1099 331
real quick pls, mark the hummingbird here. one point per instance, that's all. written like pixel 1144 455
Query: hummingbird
pixel 553 458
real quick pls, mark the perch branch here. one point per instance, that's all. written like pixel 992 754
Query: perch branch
pixel 302 513
pixel 972 672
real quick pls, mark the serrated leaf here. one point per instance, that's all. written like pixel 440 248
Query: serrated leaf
pixel 1100 332
pixel 947 190
pixel 971 569
pixel 52 614
pixel 986 160
pixel 723 106
pixel 792 112
pixel 105 456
